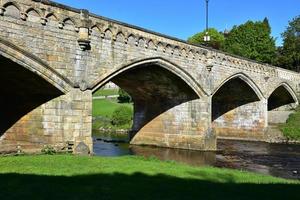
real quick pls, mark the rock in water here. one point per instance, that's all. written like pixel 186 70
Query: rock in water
pixel 82 149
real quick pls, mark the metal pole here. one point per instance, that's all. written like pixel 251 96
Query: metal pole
pixel 207 16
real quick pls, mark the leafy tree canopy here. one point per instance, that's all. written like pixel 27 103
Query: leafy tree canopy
pixel 252 40
pixel 289 53
pixel 216 38
pixel 124 97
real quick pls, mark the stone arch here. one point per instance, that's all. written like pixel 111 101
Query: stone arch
pixel 120 37
pixel 173 68
pixel 108 34
pixel 191 54
pixel 69 24
pixel 52 16
pixel 161 47
pixel 246 79
pixel 169 49
pixel 151 45
pixel 33 15
pixel 282 95
pixel 239 109
pixel 34 64
pixel 159 89
pixel 12 9
pixel 176 51
pixel 33 10
pixel 51 19
pixel 95 31
pixel 12 3
pixel 28 83
pixel 131 39
pixel 95 28
pixel 183 52
pixel 141 42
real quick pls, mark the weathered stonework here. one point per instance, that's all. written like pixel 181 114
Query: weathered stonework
pixel 54 57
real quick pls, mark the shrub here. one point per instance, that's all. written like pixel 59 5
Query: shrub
pixel 49 150
pixel 121 116
pixel 124 97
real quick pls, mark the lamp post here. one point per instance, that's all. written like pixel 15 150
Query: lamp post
pixel 206 37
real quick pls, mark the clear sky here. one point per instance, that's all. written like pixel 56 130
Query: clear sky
pixel 183 18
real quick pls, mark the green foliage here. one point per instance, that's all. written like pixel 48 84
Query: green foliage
pixel 105 92
pixel 291 130
pixel 289 54
pixel 122 116
pixel 106 107
pixel 252 40
pixel 124 97
pixel 49 150
pixel 217 39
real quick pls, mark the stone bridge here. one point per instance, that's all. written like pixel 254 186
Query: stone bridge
pixel 54 57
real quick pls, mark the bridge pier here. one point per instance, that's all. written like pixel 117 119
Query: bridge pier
pixel 185 126
pixel 62 121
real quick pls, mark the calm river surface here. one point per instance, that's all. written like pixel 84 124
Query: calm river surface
pixel 273 159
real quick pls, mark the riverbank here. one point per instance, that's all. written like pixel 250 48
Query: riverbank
pixel 291 129
pixel 130 177
pixel 103 111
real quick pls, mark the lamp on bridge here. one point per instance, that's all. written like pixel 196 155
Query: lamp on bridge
pixel 206 37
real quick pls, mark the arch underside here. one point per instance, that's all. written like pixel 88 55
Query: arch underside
pixel 281 96
pixel 22 91
pixel 238 111
pixel 281 104
pixel 166 109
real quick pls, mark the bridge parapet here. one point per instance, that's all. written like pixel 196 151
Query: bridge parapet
pixel 142 38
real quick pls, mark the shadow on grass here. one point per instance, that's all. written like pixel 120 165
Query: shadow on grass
pixel 136 186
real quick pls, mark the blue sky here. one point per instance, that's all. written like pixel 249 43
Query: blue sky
pixel 183 18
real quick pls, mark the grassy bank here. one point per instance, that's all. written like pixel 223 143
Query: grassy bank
pixel 70 177
pixel 291 129
pixel 103 110
pixel 106 92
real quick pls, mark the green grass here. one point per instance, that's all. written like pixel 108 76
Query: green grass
pixel 106 92
pixel 291 129
pixel 106 107
pixel 70 177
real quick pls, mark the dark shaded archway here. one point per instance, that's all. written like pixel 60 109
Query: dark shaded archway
pixel 170 108
pixel 154 90
pixel 238 109
pixel 231 95
pixel 21 92
pixel 281 96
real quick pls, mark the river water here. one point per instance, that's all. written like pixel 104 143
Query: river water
pixel 280 160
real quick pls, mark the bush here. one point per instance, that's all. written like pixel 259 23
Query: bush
pixel 122 116
pixel 291 129
pixel 124 97
pixel 49 150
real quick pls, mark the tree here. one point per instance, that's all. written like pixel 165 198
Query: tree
pixel 289 53
pixel 122 116
pixel 216 38
pixel 252 40
pixel 124 97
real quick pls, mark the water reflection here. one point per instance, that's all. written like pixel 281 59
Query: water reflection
pixel 274 159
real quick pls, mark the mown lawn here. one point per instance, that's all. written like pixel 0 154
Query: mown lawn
pixel 291 129
pixel 71 177
pixel 106 107
pixel 106 92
